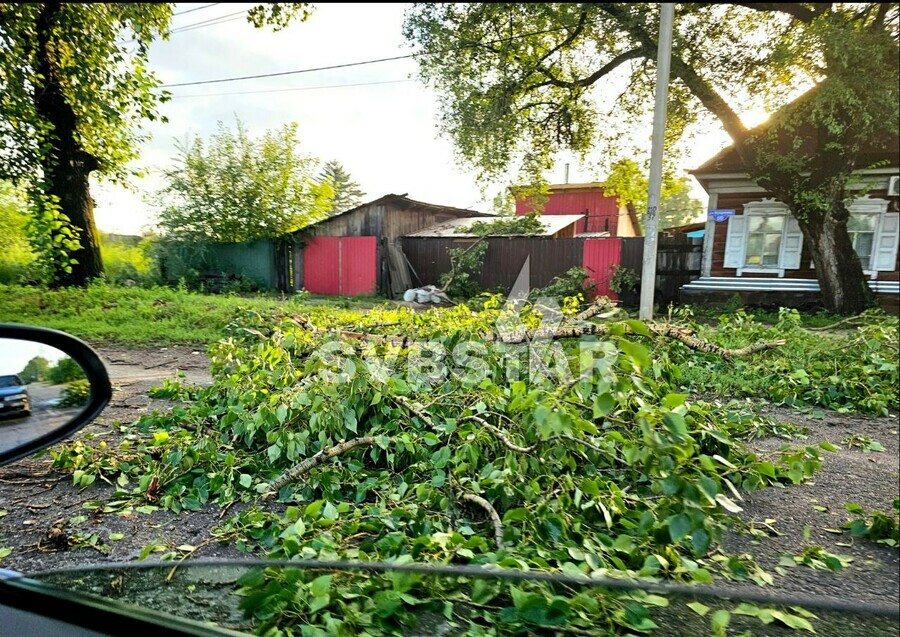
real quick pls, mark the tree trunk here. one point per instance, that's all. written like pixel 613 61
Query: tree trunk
pixel 842 283
pixel 70 183
pixel 67 167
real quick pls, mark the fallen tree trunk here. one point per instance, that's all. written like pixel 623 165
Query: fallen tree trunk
pixel 684 336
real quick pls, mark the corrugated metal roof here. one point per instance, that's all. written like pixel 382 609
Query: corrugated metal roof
pixel 552 225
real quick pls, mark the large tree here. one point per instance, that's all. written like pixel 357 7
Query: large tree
pixel 520 82
pixel 74 89
pixel 347 193
pixel 233 188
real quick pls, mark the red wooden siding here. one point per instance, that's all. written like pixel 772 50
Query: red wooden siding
pixel 358 271
pixel 599 256
pixel 602 212
pixel 321 269
pixel 340 265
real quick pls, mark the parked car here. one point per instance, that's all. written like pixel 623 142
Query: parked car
pixel 14 399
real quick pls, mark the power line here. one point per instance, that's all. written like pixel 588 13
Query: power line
pixel 211 24
pixel 298 88
pixel 205 6
pixel 363 62
pixel 208 22
pixel 281 73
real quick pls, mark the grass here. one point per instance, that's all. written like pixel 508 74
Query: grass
pixel 157 315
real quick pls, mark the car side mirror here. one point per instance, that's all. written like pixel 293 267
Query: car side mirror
pixel 51 385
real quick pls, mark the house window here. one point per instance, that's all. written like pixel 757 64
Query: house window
pixel 861 229
pixel 763 240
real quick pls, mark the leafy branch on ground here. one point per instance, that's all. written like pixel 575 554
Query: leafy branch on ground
pixel 604 470
pixel 877 526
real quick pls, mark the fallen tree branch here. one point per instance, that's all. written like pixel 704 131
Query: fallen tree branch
pixel 597 329
pixel 686 337
pixel 423 415
pixel 594 309
pixel 587 444
pixel 850 319
pixel 299 470
pixel 492 513
pixel 498 433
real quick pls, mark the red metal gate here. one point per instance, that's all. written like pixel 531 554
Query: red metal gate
pixel 340 265
pixel 599 257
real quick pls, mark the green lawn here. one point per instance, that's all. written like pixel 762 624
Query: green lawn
pixel 158 315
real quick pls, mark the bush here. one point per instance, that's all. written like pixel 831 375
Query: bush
pixel 462 280
pixel 574 282
pixel 123 262
pixel 76 393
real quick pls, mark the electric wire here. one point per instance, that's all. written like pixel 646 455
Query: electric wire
pixel 362 62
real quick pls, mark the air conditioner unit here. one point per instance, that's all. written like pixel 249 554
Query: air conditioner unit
pixel 894 187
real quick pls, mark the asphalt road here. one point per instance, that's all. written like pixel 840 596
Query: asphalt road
pixel 45 417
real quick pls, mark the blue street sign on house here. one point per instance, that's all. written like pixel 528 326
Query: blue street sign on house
pixel 720 215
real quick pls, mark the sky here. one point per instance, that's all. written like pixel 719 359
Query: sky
pixel 15 354
pixel 384 133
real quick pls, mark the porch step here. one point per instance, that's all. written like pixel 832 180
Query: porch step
pixel 751 284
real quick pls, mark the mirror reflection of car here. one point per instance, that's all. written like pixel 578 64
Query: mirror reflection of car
pixel 14 399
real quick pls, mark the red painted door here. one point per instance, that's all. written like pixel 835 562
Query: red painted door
pixel 340 265
pixel 358 265
pixel 321 263
pixel 599 257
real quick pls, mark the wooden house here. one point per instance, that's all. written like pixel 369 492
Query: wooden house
pixel 753 247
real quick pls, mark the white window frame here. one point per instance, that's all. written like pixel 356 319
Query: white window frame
pixel 764 208
pixel 877 208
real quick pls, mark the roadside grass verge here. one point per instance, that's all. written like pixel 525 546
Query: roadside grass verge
pixel 156 315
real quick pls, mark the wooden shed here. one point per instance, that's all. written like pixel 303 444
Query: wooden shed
pixel 357 252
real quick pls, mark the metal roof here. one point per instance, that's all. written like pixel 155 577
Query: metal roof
pixel 552 225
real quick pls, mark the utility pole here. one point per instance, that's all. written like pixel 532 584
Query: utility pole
pixel 651 220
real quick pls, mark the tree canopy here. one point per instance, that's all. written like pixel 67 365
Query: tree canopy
pixel 521 82
pixel 347 193
pixel 34 370
pixel 233 187
pixel 628 182
pixel 75 88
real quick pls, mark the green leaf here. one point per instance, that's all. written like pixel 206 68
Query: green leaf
pixel 728 504
pixel 320 586
pixel 679 526
pixel 676 425
pixel 673 401
pixel 636 352
pixel 638 327
pixel 246 480
pixel 719 622
pixel 603 405
pixel 700 542
pixel 698 608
